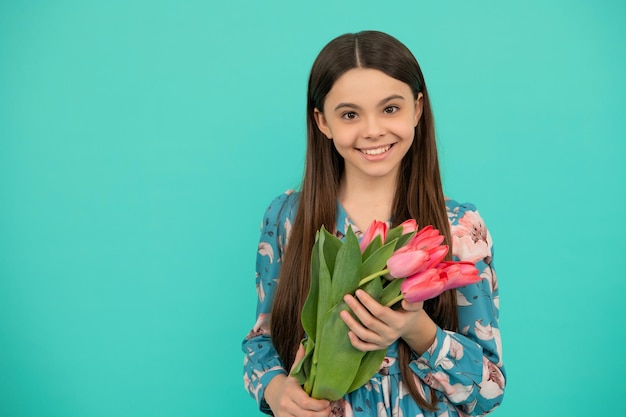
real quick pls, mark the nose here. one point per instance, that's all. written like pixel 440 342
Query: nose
pixel 373 128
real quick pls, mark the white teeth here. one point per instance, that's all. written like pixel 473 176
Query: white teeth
pixel 376 151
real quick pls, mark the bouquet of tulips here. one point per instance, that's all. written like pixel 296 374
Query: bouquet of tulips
pixel 390 265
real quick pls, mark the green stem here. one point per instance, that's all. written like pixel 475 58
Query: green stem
pixel 371 277
pixel 395 300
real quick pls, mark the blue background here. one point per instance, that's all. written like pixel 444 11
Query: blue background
pixel 141 141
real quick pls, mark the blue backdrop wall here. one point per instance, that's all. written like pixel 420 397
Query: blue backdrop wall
pixel 141 141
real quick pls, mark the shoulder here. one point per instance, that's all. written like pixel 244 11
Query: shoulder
pixel 275 228
pixel 471 240
pixel 457 211
pixel 282 208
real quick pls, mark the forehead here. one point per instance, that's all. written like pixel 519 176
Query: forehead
pixel 366 86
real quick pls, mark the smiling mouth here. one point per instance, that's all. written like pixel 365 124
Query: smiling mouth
pixel 376 151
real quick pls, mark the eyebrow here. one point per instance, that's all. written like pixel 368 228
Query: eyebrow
pixel 380 103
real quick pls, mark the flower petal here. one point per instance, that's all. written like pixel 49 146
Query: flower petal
pixel 406 262
pixel 376 228
pixel 428 242
pixel 408 226
pixel 459 274
pixel 422 286
pixel 436 255
pixel 265 249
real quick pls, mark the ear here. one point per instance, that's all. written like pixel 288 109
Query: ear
pixel 419 106
pixel 322 125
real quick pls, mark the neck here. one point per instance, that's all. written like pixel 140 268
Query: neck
pixel 367 199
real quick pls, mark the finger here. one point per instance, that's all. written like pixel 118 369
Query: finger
pixel 367 320
pixel 365 307
pixel 352 323
pixel 362 345
pixel 315 405
pixel 363 338
pixel 370 303
pixel 304 402
pixel 298 400
pixel 384 316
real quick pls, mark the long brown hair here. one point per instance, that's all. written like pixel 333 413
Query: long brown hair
pixel 418 193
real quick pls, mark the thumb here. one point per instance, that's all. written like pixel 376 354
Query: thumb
pixel 299 355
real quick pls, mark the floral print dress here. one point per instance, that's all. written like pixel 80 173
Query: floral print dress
pixel 465 369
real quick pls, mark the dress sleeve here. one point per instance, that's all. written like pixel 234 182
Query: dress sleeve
pixel 466 368
pixel 261 361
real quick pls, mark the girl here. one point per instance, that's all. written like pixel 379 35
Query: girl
pixel 371 154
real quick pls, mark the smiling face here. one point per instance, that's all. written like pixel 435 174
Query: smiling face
pixel 371 119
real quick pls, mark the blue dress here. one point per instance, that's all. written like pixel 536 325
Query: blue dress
pixel 464 368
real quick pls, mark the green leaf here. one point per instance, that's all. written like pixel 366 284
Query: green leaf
pixel 391 291
pixel 325 285
pixel 324 250
pixel 309 310
pixel 370 364
pixel 308 365
pixel 331 248
pixel 374 245
pixel 402 240
pixel 323 299
pixel 346 275
pixel 374 288
pixel 302 370
pixel 377 260
pixel 394 233
pixel 337 360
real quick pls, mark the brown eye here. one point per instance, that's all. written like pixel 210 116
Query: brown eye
pixel 391 109
pixel 349 115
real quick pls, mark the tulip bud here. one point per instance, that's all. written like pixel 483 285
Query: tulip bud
pixel 376 228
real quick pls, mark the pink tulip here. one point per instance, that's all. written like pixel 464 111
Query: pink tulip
pixel 422 286
pixel 427 230
pixel 459 274
pixel 431 282
pixel 436 255
pixel 407 261
pixel 376 228
pixel 426 238
pixel 408 226
pixel 423 251
pixel 427 242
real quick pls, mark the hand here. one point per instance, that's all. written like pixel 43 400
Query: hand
pixel 286 397
pixel 378 326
